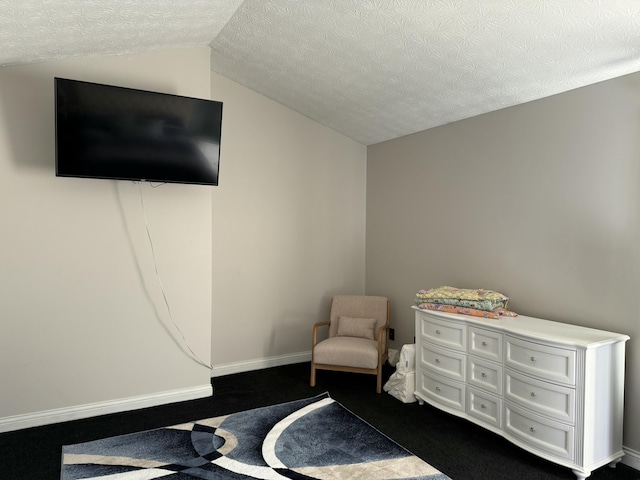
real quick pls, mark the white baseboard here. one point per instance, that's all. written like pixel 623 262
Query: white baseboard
pixel 47 417
pixel 260 363
pixel 631 458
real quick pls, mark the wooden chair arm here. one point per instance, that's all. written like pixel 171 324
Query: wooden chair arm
pixel 315 331
pixel 386 343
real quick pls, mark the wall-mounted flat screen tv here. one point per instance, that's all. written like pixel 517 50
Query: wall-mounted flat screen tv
pixel 111 132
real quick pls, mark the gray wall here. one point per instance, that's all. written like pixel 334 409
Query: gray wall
pixel 247 266
pixel 83 321
pixel 539 201
pixel 288 229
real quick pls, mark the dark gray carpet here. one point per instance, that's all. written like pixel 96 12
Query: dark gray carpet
pixel 459 449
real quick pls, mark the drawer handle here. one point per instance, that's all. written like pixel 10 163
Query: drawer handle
pixel 483 375
pixel 533 394
pixel 484 344
pixel 483 406
pixel 533 359
pixel 437 332
pixel 437 389
pixel 532 430
pixel 437 360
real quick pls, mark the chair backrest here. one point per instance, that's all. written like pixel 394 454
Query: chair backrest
pixel 358 306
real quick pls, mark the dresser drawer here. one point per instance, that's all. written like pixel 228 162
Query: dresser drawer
pixel 449 363
pixel 444 333
pixel 484 407
pixel 553 437
pixel 547 362
pixel 444 391
pixel 546 398
pixel 485 343
pixel 484 374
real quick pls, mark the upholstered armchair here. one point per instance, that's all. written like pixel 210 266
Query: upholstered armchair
pixel 358 337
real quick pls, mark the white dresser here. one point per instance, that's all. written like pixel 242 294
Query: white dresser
pixel 555 389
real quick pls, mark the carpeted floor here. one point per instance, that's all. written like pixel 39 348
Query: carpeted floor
pixel 454 446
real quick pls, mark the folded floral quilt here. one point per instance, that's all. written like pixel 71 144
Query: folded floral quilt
pixel 479 299
pixel 495 313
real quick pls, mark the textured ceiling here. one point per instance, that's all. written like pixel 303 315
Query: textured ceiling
pixel 43 30
pixel 373 70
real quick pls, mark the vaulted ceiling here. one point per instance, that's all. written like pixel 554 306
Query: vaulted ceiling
pixel 371 69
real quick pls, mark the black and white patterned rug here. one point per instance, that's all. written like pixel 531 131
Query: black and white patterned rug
pixel 315 438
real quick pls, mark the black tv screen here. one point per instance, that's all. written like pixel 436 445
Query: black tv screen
pixel 111 132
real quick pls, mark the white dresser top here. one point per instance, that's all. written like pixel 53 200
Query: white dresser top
pixel 557 332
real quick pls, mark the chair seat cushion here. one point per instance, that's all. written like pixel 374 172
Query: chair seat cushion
pixel 347 351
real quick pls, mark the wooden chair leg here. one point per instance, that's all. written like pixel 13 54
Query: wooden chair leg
pixel 313 375
pixel 379 380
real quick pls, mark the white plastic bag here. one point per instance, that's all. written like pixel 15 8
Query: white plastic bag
pixel 402 383
pixel 394 356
